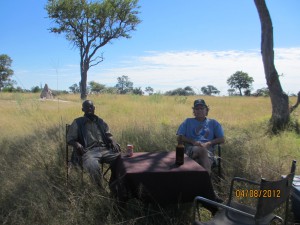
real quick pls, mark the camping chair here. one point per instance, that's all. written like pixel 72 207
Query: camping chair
pixel 70 163
pixel 270 195
pixel 217 160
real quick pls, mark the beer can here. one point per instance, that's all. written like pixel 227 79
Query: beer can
pixel 129 150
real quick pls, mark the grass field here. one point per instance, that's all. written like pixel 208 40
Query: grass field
pixel 32 172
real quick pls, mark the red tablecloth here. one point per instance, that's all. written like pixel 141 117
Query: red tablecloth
pixel 155 177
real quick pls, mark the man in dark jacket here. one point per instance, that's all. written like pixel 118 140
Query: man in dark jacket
pixel 93 143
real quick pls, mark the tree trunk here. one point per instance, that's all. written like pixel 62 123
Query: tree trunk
pixel 292 108
pixel 240 92
pixel 83 84
pixel 280 105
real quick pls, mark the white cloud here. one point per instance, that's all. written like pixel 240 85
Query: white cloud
pixel 168 70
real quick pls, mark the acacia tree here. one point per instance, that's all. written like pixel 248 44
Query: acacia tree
pixel 5 71
pixel 90 25
pixel 124 85
pixel 96 87
pixel 74 88
pixel 149 90
pixel 280 102
pixel 231 91
pixel 188 90
pixel 240 80
pixel 209 90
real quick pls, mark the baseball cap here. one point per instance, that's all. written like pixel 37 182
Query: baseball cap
pixel 199 102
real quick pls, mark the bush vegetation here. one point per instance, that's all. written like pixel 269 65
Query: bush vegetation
pixel 32 145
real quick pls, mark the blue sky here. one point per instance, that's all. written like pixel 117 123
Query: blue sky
pixel 178 43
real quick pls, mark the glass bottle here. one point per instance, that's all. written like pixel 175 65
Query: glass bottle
pixel 179 153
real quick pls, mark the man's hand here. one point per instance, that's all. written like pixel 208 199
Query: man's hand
pixel 198 143
pixel 207 145
pixel 115 146
pixel 79 148
pixel 201 144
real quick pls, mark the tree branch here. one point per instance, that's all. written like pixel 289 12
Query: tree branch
pixel 101 58
pixel 292 108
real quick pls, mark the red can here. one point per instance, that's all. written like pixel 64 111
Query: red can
pixel 129 150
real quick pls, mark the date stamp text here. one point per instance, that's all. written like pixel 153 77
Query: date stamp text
pixel 253 193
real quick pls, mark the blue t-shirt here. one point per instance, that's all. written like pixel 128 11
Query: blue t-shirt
pixel 202 131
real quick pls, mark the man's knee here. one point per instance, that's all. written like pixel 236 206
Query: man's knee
pixel 199 151
pixel 109 157
pixel 90 163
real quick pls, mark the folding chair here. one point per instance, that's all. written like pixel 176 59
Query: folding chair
pixel 217 160
pixel 70 163
pixel 270 196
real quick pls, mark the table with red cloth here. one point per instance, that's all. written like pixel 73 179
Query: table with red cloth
pixel 154 177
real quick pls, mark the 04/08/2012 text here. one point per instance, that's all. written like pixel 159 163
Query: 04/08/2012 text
pixel 253 193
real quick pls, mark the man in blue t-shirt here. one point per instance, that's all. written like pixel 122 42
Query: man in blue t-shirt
pixel 200 134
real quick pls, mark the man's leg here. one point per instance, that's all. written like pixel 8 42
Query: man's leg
pixel 111 158
pixel 90 162
pixel 200 155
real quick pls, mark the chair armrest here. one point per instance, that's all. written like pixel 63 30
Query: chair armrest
pixel 239 179
pixel 219 157
pixel 202 199
pixel 244 180
pixel 219 150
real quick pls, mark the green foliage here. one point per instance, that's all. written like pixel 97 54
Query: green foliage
pixel 90 25
pixel 110 90
pixel 209 90
pixel 137 91
pixel 96 87
pixel 74 88
pixel 124 85
pixel 262 92
pixel 98 22
pixel 231 92
pixel 11 88
pixel 56 93
pixel 5 71
pixel 240 80
pixel 247 92
pixel 149 90
pixel 182 91
pixel 36 89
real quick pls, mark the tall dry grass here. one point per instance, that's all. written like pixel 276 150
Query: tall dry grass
pixel 32 172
